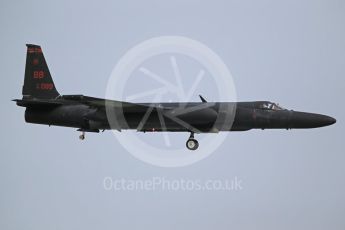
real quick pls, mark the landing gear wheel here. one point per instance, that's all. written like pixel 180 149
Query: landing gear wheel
pixel 82 136
pixel 192 144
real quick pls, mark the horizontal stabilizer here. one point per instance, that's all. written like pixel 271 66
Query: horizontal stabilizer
pixel 33 103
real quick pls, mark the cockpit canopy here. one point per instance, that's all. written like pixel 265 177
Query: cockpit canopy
pixel 266 105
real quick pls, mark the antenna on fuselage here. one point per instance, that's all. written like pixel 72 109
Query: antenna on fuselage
pixel 202 99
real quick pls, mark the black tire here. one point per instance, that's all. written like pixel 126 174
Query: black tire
pixel 192 144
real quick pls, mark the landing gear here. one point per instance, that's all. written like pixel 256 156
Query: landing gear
pixel 82 136
pixel 83 130
pixel 191 143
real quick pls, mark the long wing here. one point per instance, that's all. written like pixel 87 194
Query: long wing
pixel 102 103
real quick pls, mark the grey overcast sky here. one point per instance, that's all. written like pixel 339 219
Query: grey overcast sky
pixel 291 52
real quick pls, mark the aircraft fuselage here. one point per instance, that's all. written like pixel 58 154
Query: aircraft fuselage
pixel 242 116
pixel 44 105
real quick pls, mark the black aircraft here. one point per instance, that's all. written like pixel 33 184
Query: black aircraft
pixel 44 105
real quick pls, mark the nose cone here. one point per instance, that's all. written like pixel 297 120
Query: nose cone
pixel 330 121
pixel 310 120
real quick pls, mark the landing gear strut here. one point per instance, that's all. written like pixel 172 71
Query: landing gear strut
pixel 191 143
pixel 82 136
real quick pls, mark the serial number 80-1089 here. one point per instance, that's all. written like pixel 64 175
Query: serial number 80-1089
pixel 45 86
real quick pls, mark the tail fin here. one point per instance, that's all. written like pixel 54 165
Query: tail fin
pixel 38 82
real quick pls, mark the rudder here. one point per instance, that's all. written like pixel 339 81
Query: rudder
pixel 38 82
